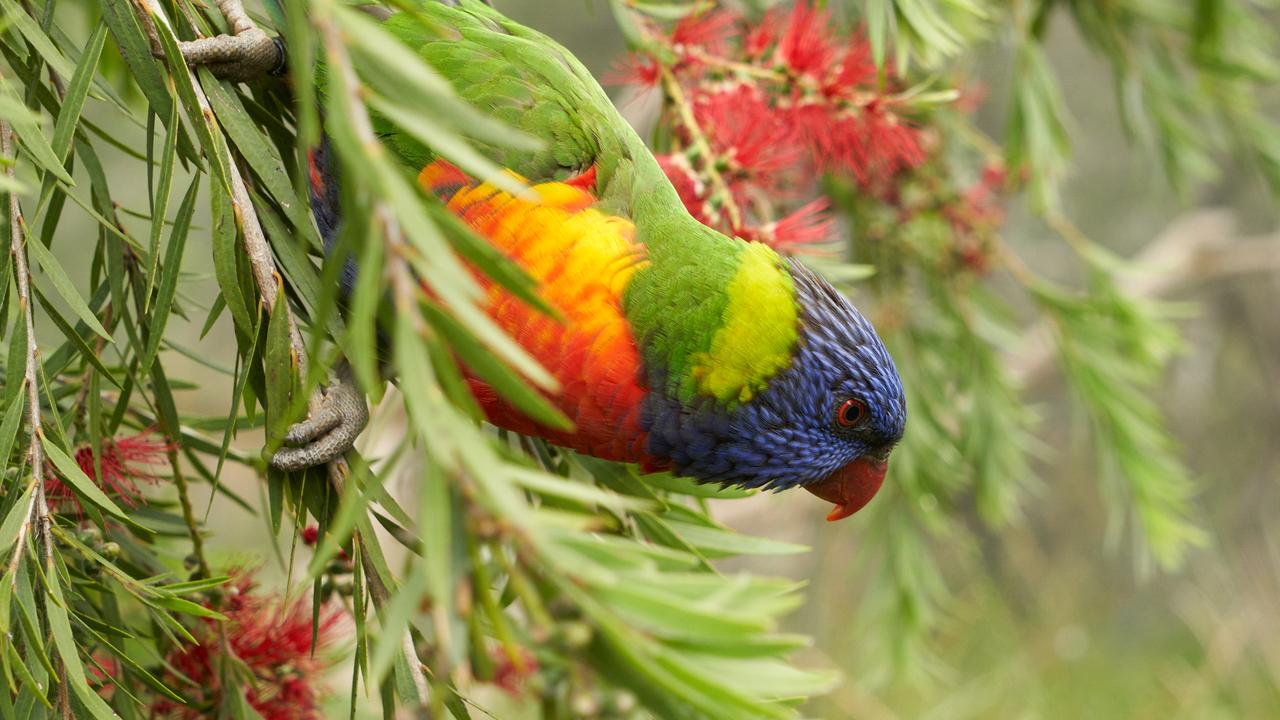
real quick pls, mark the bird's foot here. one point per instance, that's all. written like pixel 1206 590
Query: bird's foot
pixel 247 54
pixel 328 432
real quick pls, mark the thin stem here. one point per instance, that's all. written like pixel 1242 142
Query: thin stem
pixel 38 512
pixel 188 515
pixel 741 68
pixel 82 397
pixel 672 88
pixel 1074 236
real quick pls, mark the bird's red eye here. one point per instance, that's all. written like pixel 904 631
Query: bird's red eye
pixel 851 412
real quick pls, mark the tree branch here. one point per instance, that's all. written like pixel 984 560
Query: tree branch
pixel 38 510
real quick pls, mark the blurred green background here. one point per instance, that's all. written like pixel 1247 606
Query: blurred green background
pixel 1061 624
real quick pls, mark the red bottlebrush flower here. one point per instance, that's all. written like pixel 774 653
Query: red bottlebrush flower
pixel 125 462
pixel 761 37
pixel 272 638
pixel 510 675
pixel 635 69
pixel 857 67
pixel 868 143
pixel 688 185
pixel 709 32
pixel 808 225
pixel 806 46
pixel 747 135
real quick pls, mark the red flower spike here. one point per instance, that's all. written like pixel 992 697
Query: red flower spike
pixel 310 534
pixel 688 185
pixel 747 135
pixel 638 70
pixel 761 37
pixel 272 637
pixel 125 462
pixel 808 225
pixel 806 46
pixel 857 68
pixel 710 32
pixel 780 103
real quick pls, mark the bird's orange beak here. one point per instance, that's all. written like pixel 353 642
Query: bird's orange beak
pixel 851 487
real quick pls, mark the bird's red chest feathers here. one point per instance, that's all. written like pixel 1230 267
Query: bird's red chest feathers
pixel 583 260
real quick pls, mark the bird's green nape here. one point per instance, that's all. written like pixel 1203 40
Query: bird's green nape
pixel 714 318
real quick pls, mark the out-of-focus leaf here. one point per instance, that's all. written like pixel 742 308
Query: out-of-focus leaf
pixel 18 514
pixel 64 640
pixel 160 205
pixel 65 288
pixel 169 281
pixel 27 126
pixel 727 541
pixel 280 365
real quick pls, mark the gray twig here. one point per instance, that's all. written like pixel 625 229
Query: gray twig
pixel 38 510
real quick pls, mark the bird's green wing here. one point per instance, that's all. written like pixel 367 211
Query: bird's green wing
pixel 528 81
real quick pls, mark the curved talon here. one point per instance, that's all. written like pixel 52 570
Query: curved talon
pixel 330 431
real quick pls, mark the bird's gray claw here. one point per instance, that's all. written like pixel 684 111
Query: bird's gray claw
pixel 330 431
pixel 248 55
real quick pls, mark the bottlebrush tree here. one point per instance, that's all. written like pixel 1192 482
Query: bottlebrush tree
pixel 527 577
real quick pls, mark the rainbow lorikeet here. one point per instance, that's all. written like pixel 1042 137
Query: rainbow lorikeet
pixel 679 347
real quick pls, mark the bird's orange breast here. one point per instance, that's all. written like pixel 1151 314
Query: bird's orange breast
pixel 583 260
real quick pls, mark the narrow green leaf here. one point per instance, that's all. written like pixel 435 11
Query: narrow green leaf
pixel 39 40
pixel 185 607
pixel 145 675
pixel 160 207
pixel 226 252
pixel 18 514
pixel 30 683
pixel 64 127
pixel 727 541
pixel 60 626
pixel 32 136
pixel 76 339
pixel 65 288
pixel 169 282
pixel 12 421
pixel 506 382
pixel 258 152
pixel 280 366
pixel 211 139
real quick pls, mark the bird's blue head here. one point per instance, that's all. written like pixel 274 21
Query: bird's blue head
pixel 827 422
